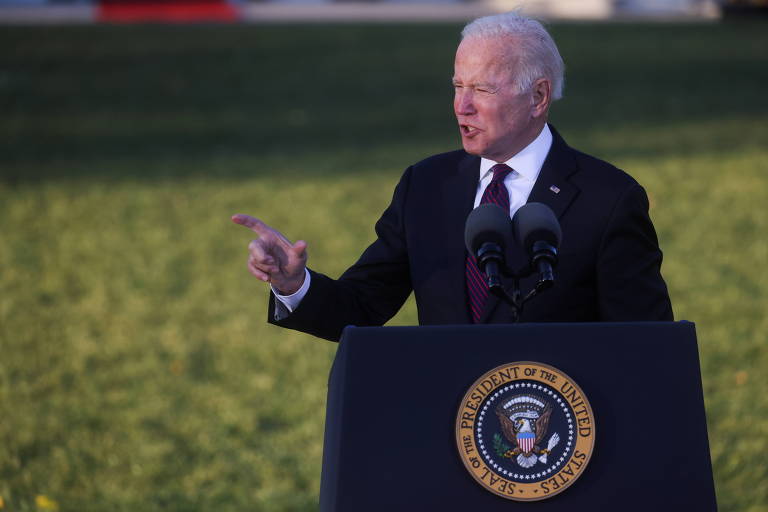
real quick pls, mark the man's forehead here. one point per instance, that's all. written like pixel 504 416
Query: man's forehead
pixel 484 61
pixel 491 54
pixel 504 46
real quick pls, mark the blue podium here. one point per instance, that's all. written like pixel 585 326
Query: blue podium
pixel 394 393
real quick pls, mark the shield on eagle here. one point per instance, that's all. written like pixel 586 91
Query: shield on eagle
pixel 525 441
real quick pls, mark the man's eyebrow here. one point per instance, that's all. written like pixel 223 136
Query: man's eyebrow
pixel 484 85
pixel 487 86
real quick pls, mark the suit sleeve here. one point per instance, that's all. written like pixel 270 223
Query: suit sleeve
pixel 630 285
pixel 370 292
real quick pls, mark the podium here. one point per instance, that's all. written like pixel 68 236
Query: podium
pixel 394 393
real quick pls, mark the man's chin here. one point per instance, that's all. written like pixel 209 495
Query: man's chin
pixel 472 149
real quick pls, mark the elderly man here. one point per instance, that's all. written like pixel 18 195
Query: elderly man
pixel 507 73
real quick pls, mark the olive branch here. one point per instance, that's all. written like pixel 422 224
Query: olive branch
pixel 499 446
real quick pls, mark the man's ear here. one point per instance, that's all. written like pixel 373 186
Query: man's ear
pixel 541 97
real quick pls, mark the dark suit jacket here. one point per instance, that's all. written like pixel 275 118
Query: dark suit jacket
pixel 609 268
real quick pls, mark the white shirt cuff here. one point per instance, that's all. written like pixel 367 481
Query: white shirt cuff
pixel 293 300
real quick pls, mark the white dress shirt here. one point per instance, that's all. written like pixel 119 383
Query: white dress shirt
pixel 525 165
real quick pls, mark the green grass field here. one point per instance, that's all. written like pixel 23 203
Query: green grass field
pixel 137 371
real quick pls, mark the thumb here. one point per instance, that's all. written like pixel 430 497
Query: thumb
pixel 299 248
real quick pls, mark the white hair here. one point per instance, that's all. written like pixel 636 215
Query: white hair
pixel 535 48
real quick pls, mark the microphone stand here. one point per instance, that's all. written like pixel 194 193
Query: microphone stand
pixel 490 260
pixel 515 299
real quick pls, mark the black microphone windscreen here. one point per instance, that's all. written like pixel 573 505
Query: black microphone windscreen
pixel 536 222
pixel 487 223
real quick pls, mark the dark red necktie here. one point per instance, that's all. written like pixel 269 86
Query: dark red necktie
pixel 495 193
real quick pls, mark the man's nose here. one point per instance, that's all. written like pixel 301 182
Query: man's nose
pixel 463 102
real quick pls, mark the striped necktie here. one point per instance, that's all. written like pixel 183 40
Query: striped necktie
pixel 477 288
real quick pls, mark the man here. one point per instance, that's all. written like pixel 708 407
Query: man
pixel 507 73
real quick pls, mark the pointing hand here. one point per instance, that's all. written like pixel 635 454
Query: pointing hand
pixel 273 258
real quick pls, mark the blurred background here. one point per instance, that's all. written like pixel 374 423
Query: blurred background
pixel 137 371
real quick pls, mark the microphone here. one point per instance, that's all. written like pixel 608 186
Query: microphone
pixel 537 230
pixel 486 233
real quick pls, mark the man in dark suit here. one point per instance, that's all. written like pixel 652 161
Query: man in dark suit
pixel 507 73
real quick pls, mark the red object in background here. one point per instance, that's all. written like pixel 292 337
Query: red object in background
pixel 169 11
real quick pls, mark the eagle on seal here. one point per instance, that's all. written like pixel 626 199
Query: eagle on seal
pixel 524 421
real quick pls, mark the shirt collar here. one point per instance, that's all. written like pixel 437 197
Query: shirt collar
pixel 527 163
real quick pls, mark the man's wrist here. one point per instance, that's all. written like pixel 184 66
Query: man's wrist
pixel 287 291
pixel 292 301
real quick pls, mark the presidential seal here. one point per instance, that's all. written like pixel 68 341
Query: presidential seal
pixel 525 431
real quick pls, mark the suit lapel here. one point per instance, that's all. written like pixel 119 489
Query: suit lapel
pixel 458 196
pixel 553 187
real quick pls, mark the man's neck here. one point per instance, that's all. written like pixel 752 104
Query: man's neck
pixel 532 135
pixel 528 161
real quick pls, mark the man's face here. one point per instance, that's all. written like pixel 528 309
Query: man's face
pixel 495 121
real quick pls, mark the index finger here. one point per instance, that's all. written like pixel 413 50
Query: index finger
pixel 251 223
